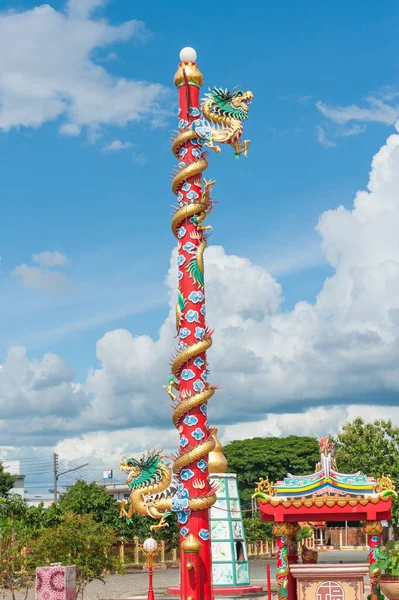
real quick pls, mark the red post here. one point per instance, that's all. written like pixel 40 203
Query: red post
pixel 150 595
pixel 286 547
pixel 189 367
pixel 280 531
pixel 293 529
pixel 190 569
pixel 373 529
pixel 269 584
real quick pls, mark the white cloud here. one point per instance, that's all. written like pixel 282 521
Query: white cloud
pixel 43 387
pixel 105 448
pixel 50 259
pixel 41 278
pixel 344 347
pixel 289 371
pixel 117 146
pixel 378 111
pixel 322 137
pixel 37 279
pixel 111 57
pixel 354 130
pixel 51 74
pixel 139 159
pixel 70 129
pixel 81 9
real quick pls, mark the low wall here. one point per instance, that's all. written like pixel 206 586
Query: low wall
pixel 131 554
pixel 266 548
pixel 353 538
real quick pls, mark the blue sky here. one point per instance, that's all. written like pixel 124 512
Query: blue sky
pixel 94 207
pixel 84 177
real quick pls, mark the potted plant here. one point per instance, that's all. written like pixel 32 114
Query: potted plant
pixel 388 563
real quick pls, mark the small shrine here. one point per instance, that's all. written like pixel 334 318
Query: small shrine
pixel 325 495
pixel 230 568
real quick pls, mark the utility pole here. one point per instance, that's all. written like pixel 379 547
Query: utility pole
pixel 57 475
pixel 55 456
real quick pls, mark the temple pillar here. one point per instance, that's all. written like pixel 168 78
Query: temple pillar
pixel 287 551
pixel 373 529
pixel 292 543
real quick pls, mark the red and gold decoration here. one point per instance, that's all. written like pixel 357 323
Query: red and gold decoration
pixel 373 529
pixel 287 553
pixel 325 495
pixel 309 556
pixel 189 367
pixel 155 489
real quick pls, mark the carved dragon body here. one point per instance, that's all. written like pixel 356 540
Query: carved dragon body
pixel 226 111
pixel 154 490
pixel 149 479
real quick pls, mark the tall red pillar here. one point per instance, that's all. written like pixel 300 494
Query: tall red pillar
pixel 189 366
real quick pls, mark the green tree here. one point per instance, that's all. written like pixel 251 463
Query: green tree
pixel 269 457
pixel 256 530
pixel 12 507
pixel 81 541
pixel 38 517
pixel 82 498
pixel 17 572
pixel 304 533
pixel 85 497
pixel 6 482
pixel 372 448
pixel 14 513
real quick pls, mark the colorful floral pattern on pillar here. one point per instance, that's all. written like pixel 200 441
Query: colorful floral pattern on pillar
pixel 373 530
pixel 282 567
pixel 281 531
pixel 189 366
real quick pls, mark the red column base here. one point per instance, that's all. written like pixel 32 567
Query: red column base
pixel 224 591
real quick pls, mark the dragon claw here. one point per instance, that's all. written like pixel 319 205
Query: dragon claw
pixel 168 390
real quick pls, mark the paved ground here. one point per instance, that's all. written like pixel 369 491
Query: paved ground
pixel 134 585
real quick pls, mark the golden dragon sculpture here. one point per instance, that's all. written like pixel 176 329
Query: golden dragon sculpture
pixel 226 111
pixel 154 491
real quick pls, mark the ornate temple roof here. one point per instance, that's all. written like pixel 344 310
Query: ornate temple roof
pixel 326 489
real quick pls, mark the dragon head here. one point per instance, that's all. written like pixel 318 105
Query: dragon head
pixel 234 103
pixel 144 470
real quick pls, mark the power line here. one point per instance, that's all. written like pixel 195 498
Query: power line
pixel 39 466
pixel 31 459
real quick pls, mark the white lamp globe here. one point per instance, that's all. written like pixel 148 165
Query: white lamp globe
pixel 150 545
pixel 188 55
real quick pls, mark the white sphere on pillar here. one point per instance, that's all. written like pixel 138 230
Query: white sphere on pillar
pixel 188 55
pixel 150 545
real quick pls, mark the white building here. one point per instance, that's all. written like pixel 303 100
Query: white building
pixel 14 468
pixel 36 499
pixel 119 491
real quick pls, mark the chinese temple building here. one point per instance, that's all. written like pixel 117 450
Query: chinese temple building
pixel 325 495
